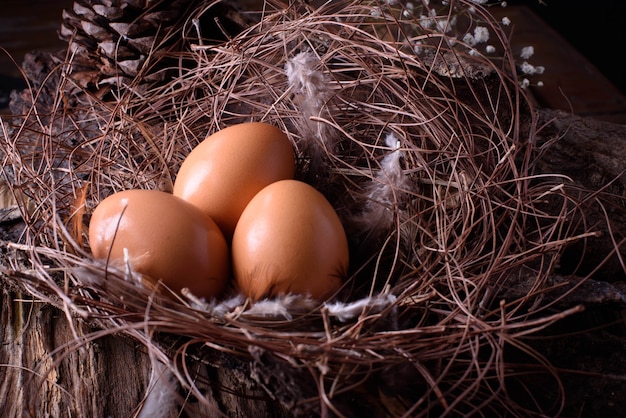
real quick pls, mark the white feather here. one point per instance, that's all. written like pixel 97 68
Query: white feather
pixel 161 396
pixel 347 311
pixel 385 191
pixel 281 307
pixel 311 93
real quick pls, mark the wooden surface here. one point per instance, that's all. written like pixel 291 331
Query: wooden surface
pixel 44 373
pixel 38 372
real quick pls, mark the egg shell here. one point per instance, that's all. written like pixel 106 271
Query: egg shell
pixel 167 239
pixel 224 172
pixel 289 239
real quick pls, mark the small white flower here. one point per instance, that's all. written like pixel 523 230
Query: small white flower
pixel 426 22
pixel 506 21
pixel 525 83
pixel 490 49
pixel 527 52
pixel 539 83
pixel 481 34
pixel 418 48
pixel 527 68
pixel 480 1
pixel 445 25
pixel 504 4
pixel 468 38
pixel 408 10
pixel 530 69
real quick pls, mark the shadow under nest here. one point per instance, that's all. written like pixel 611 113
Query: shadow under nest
pixel 427 154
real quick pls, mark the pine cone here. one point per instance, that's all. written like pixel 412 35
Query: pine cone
pixel 111 42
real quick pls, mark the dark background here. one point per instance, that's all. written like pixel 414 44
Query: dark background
pixel 597 29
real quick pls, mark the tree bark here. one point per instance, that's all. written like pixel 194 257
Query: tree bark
pixel 44 373
pixel 41 376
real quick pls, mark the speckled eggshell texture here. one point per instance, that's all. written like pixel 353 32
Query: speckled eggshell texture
pixel 167 239
pixel 289 239
pixel 224 172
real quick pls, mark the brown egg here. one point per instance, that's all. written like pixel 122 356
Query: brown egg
pixel 166 239
pixel 289 239
pixel 227 169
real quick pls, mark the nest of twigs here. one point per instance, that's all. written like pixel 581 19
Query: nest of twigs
pixel 415 133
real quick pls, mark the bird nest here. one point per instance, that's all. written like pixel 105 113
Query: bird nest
pixel 417 131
